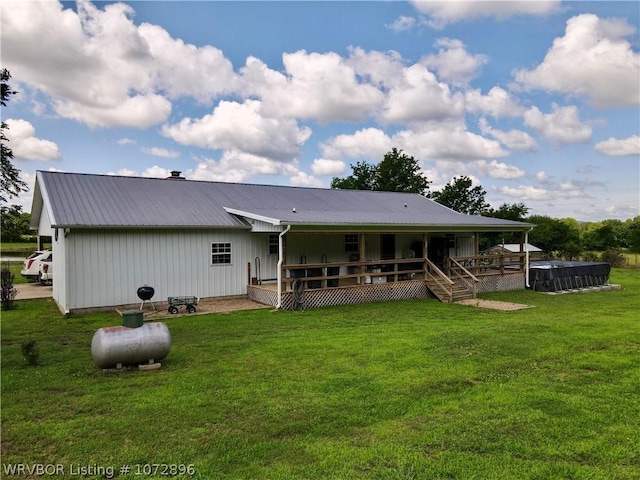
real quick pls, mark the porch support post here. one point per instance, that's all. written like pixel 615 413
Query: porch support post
pixel 280 272
pixel 363 256
pixel 526 266
pixel 523 242
pixel 425 250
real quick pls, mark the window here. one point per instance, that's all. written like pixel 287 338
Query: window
pixel 273 244
pixel 221 253
pixel 351 243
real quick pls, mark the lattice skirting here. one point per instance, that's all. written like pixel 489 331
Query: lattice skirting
pixel 502 283
pixel 382 292
pixel 262 295
pixel 344 295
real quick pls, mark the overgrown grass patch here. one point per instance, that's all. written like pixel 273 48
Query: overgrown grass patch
pixel 398 390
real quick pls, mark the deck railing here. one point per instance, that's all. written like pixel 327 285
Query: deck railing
pixel 488 264
pixel 326 275
pixel 466 268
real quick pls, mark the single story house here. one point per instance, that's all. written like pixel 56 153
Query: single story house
pixel 289 247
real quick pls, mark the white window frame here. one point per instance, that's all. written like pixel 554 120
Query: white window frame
pixel 220 251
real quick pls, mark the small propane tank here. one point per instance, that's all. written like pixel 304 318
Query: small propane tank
pixel 113 346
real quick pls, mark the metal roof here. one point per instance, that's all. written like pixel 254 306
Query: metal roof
pixel 103 201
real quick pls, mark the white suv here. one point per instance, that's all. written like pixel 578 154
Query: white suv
pixel 31 267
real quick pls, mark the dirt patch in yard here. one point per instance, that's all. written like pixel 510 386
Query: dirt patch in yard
pixel 494 305
pixel 205 305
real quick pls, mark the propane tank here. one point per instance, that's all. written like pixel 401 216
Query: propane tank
pixel 113 346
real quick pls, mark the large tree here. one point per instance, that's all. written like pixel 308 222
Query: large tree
pixel 460 195
pixel 397 172
pixel 510 211
pixel 555 237
pixel 10 183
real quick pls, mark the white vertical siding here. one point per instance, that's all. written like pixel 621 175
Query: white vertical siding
pixel 60 278
pixel 464 245
pixel 44 224
pixel 106 267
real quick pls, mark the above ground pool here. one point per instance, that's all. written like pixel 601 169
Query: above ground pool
pixel 557 275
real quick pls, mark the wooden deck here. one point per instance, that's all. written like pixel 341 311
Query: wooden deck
pixel 318 285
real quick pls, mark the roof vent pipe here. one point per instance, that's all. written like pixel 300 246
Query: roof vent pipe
pixel 175 175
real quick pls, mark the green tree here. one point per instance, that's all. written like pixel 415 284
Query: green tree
pixel 633 227
pixel 606 235
pixel 460 195
pixel 363 178
pixel 554 237
pixel 10 183
pixel 397 172
pixel 515 211
pixel 13 223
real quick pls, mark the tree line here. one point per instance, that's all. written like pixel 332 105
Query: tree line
pixel 563 238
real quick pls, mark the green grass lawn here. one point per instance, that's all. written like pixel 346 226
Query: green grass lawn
pixel 398 390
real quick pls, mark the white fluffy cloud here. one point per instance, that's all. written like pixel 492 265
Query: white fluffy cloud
pixel 442 13
pixel 327 167
pixel 513 139
pixel 369 143
pixel 495 169
pixel 615 147
pixel 236 166
pixel 561 127
pixel 450 144
pixel 419 97
pixel 403 23
pixel 101 69
pixel 320 86
pixel 241 127
pixel 25 145
pixel 525 192
pixel 592 59
pixel 161 152
pixel 496 103
pixel 453 63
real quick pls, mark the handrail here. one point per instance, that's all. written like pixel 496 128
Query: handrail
pixel 464 277
pixel 440 273
pixel 439 278
pixel 464 270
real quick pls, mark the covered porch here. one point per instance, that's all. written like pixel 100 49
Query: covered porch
pixel 382 266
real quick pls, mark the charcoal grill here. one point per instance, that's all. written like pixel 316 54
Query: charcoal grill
pixel 145 293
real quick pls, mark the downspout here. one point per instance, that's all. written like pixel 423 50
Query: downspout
pixel 280 260
pixel 526 256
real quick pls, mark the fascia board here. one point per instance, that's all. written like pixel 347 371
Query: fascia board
pixel 253 216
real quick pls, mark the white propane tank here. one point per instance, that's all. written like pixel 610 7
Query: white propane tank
pixel 113 346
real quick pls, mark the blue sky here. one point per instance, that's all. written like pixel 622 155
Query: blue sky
pixel 536 101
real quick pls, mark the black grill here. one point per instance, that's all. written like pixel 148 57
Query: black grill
pixel 145 293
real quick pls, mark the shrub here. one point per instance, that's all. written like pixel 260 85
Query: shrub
pixel 30 352
pixel 614 258
pixel 7 291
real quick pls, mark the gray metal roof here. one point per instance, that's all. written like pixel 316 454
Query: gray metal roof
pixel 95 201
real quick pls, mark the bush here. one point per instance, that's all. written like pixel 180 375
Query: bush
pixel 614 258
pixel 30 352
pixel 7 291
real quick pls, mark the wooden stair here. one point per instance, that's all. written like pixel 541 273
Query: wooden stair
pixel 457 292
pixel 447 290
pixel 460 292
